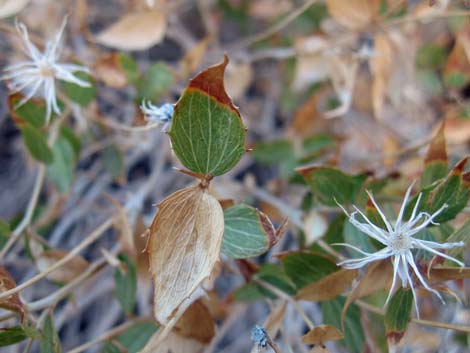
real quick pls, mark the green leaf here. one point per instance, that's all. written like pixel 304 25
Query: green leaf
pixel 110 348
pixel 461 234
pixel 113 160
pixel 126 284
pixel 61 171
pixel 276 276
pixel 431 55
pixel 331 185
pixel 155 82
pixel 433 172
pixel 36 144
pixel 81 95
pixel 207 132
pixel 135 338
pixel 4 228
pixel 354 338
pixel 316 144
pixel 280 152
pixel 251 292
pixel 247 232
pixel 398 314
pixel 128 65
pixel 456 79
pixel 50 343
pixel 12 335
pixel 33 111
pixel 73 139
pixel 304 268
pixel 357 238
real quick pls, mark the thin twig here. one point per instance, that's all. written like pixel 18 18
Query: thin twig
pixel 74 252
pixel 275 28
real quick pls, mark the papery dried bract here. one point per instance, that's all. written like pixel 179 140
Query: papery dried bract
pixel 13 302
pixel 183 247
pixel 135 31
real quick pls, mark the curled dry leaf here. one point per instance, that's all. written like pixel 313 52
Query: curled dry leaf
pixel 381 64
pixel 183 247
pixel 11 7
pixel 135 31
pixel 322 333
pixel 107 70
pixel 354 14
pixel 328 287
pixel 13 302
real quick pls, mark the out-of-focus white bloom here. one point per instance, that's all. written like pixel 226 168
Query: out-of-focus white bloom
pixel 399 241
pixel 36 76
pixel 157 115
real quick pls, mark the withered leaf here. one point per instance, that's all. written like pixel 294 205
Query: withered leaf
pixel 13 302
pixel 353 14
pixel 381 65
pixel 328 287
pixel 65 273
pixel 196 323
pixel 322 333
pixel 184 247
pixel 135 31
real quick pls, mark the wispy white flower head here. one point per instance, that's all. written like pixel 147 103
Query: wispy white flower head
pixel 36 76
pixel 399 241
pixel 157 115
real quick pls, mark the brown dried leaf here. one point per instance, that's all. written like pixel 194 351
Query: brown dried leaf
pixel 238 78
pixel 184 247
pixel 437 149
pixel 322 333
pixel 353 14
pixel 12 7
pixel 377 276
pixel 442 274
pixel 381 66
pixel 193 58
pixel 328 287
pixel 13 302
pixel 65 273
pixel 135 31
pixel 196 323
pixel 107 70
pixel 173 343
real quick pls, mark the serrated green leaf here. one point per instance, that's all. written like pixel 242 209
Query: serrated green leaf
pixel 80 95
pixel 331 185
pixel 50 342
pixel 12 335
pixel 126 284
pixel 305 268
pixel 398 314
pixel 244 233
pixel 155 82
pixel 61 170
pixel 36 144
pixel 207 133
pixel 354 338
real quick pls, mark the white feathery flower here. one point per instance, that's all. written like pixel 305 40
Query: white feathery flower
pixel 36 76
pixel 399 241
pixel 157 115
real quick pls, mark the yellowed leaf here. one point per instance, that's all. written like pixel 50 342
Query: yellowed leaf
pixel 11 7
pixel 322 333
pixel 193 58
pixel 381 64
pixel 13 302
pixel 65 273
pixel 135 31
pixel 184 247
pixel 328 287
pixel 353 14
